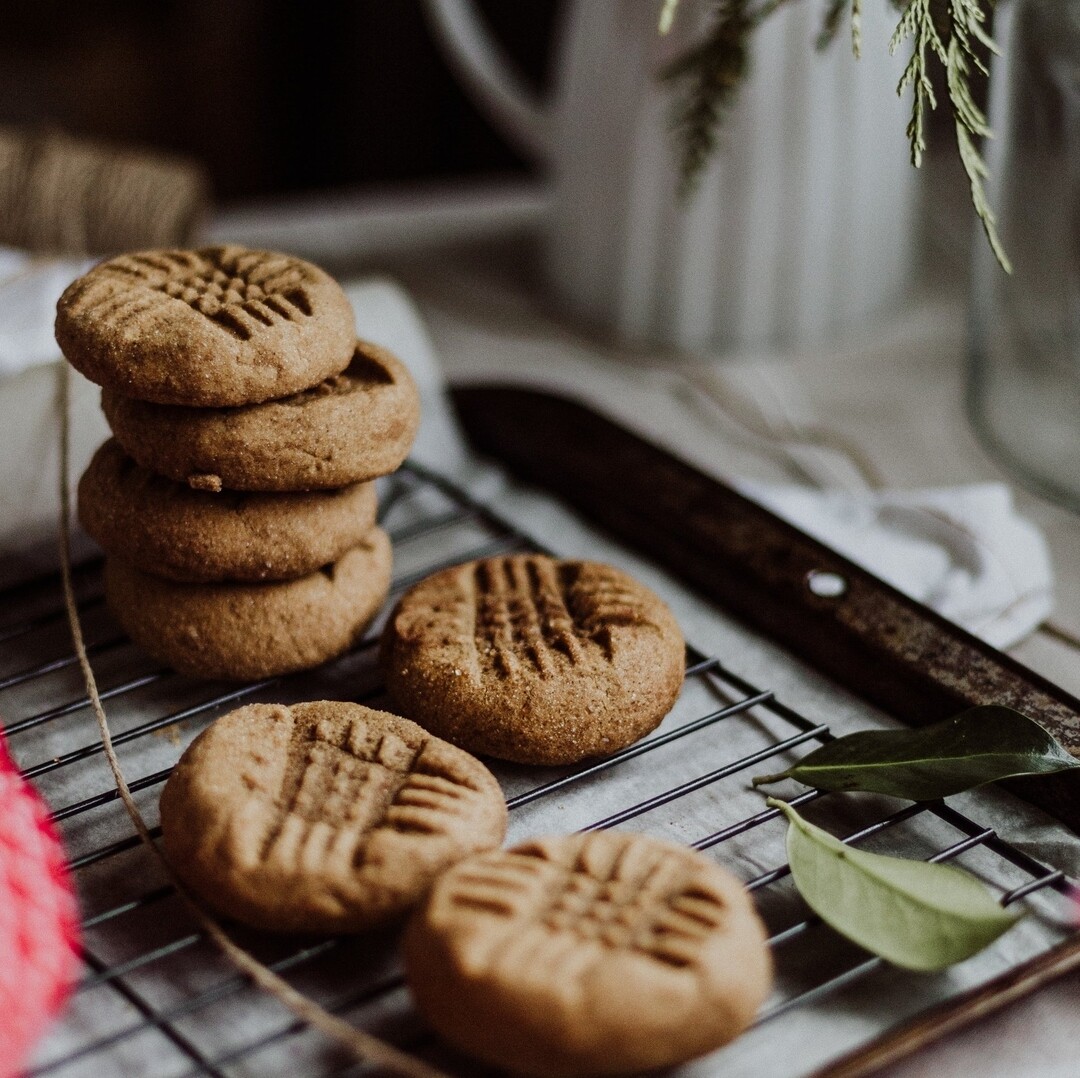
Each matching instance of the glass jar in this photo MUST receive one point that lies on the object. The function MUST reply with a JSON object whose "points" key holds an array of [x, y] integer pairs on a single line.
{"points": [[1024, 384]]}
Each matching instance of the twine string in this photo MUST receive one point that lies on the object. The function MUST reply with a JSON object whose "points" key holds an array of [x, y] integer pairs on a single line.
{"points": [[65, 195], [364, 1046]]}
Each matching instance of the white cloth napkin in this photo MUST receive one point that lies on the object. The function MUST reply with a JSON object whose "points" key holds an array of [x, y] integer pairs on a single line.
{"points": [[29, 288]]}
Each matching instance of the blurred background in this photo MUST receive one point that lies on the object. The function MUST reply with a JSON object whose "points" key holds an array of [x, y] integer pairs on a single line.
{"points": [[272, 96]]}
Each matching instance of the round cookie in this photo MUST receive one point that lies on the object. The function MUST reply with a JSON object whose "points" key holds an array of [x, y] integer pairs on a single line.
{"points": [[246, 631], [213, 327], [534, 660], [602, 953], [323, 817], [167, 529], [354, 426]]}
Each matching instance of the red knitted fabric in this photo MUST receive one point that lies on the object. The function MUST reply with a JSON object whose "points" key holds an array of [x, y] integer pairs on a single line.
{"points": [[39, 919]]}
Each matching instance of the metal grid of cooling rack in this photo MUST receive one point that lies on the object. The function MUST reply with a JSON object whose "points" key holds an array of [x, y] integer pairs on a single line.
{"points": [[155, 998]]}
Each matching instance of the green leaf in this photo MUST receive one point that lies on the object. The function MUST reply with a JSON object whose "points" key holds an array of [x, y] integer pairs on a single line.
{"points": [[916, 915], [984, 744]]}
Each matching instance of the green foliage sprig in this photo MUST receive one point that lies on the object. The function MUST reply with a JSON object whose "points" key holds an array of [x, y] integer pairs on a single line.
{"points": [[834, 16], [713, 70], [948, 32]]}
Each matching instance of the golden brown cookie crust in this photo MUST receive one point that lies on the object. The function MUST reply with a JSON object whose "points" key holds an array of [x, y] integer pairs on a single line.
{"points": [[170, 530], [212, 327], [323, 816], [604, 953], [534, 660], [354, 426], [247, 631]]}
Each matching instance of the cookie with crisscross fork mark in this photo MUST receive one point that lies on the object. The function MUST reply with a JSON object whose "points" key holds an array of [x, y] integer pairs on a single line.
{"points": [[323, 816], [353, 426], [233, 630], [170, 530], [601, 953], [535, 660], [213, 327]]}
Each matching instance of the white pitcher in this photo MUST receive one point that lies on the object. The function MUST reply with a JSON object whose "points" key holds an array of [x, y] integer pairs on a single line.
{"points": [[803, 225]]}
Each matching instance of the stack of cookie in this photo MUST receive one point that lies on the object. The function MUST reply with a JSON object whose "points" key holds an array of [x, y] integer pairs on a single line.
{"points": [[235, 502]]}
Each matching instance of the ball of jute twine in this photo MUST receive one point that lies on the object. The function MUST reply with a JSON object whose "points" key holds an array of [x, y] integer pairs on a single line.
{"points": [[65, 195]]}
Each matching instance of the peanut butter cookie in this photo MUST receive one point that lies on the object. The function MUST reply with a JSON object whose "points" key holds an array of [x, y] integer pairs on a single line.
{"points": [[245, 631], [170, 530], [213, 327], [603, 953], [323, 817], [353, 426], [534, 660]]}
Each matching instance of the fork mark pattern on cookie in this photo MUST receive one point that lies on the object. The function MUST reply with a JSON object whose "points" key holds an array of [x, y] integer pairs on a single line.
{"points": [[341, 786], [238, 292], [335, 781], [645, 903], [522, 619], [364, 373], [429, 802], [601, 604]]}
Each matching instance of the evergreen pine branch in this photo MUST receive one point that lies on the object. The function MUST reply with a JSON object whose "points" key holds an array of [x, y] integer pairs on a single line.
{"points": [[949, 31], [917, 22], [830, 26], [970, 120], [713, 72], [767, 8], [834, 16]]}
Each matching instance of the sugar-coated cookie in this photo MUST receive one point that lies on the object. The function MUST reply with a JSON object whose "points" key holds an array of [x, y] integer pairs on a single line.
{"points": [[603, 953], [211, 327], [535, 660], [170, 530], [245, 631], [324, 816], [354, 426]]}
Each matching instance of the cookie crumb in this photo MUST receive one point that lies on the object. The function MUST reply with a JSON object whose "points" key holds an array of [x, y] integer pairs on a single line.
{"points": [[205, 482]]}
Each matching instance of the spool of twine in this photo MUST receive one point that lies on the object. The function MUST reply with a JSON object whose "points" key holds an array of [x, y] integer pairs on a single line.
{"points": [[65, 195]]}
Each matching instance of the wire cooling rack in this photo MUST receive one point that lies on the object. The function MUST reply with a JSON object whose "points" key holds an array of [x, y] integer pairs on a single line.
{"points": [[156, 998]]}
